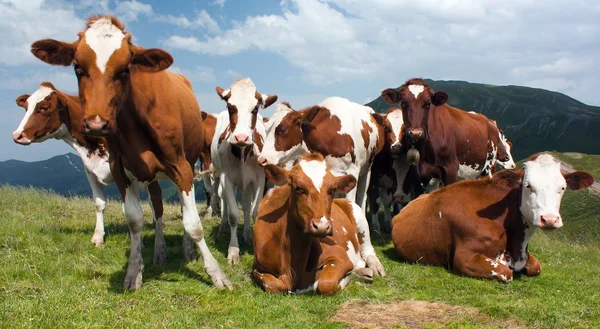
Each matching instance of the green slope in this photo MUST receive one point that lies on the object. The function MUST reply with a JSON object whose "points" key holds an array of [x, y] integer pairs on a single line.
{"points": [[533, 119]]}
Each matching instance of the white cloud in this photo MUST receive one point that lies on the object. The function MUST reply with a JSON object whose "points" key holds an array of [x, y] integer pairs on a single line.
{"points": [[219, 3], [196, 74], [29, 80], [333, 41], [232, 74], [130, 10], [203, 20]]}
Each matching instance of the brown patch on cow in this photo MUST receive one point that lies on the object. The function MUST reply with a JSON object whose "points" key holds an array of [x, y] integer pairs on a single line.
{"points": [[415, 314], [327, 140], [365, 133], [288, 133], [258, 140], [509, 178]]}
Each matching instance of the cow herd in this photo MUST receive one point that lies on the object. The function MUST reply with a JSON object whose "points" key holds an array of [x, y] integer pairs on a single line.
{"points": [[134, 123]]}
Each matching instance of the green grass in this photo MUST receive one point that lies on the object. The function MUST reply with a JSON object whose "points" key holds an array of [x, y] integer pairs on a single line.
{"points": [[52, 277], [587, 162]]}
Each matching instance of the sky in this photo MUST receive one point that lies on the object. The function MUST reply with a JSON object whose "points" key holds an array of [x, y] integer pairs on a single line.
{"points": [[307, 50]]}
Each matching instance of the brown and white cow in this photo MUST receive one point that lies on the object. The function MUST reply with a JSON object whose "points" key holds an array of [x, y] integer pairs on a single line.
{"points": [[306, 240], [150, 118], [452, 143], [49, 113], [238, 139], [482, 228], [346, 133], [213, 200]]}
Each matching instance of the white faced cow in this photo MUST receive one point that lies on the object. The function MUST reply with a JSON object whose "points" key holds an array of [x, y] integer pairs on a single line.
{"points": [[238, 140]]}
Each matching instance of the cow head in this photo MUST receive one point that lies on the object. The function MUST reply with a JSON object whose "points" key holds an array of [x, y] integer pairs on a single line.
{"points": [[394, 116], [44, 115], [416, 99], [104, 60], [504, 157], [284, 142], [543, 187], [313, 187], [243, 102]]}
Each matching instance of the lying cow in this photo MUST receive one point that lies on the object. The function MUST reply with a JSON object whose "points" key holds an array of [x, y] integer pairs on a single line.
{"points": [[304, 239], [451, 143], [346, 133], [482, 228], [49, 114]]}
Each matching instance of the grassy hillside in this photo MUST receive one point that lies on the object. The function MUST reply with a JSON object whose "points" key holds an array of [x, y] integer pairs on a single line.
{"points": [[533, 119], [64, 174], [51, 276]]}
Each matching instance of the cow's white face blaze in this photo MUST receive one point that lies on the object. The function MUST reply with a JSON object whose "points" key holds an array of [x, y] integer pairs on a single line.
{"points": [[243, 102], [543, 188], [396, 120]]}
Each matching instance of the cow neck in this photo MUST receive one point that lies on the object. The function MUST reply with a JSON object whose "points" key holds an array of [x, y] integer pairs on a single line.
{"points": [[84, 145], [518, 231], [300, 245]]}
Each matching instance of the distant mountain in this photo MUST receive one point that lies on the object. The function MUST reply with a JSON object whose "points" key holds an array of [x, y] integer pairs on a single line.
{"points": [[64, 174], [533, 119]]}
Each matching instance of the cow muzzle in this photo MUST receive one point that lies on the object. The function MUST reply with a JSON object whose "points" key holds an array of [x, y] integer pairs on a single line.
{"points": [[263, 161], [550, 222], [241, 140], [95, 125], [320, 227], [415, 134], [19, 138]]}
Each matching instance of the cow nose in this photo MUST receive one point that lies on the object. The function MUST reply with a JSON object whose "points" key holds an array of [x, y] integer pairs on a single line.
{"points": [[415, 133], [396, 148], [241, 138], [321, 227], [549, 221], [19, 138], [262, 161], [96, 125]]}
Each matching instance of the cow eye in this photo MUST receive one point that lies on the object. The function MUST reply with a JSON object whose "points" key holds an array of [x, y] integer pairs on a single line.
{"points": [[125, 72], [78, 69], [527, 185], [427, 106], [280, 131], [298, 190], [43, 108], [255, 110]]}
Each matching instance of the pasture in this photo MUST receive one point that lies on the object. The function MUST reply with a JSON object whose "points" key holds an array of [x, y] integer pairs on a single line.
{"points": [[52, 276]]}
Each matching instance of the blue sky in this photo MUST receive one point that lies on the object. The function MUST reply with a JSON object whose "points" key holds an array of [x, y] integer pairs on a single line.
{"points": [[307, 50]]}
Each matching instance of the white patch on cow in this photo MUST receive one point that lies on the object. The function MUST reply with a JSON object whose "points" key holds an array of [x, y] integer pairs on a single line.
{"points": [[396, 120], [315, 170], [243, 97], [38, 96], [416, 89], [344, 230], [93, 162], [510, 163], [312, 287], [440, 214], [469, 172], [104, 38], [354, 255], [281, 158]]}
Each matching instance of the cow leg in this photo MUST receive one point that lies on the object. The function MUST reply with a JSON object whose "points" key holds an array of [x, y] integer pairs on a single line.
{"points": [[366, 249], [401, 168], [334, 275], [386, 200], [480, 266], [247, 198], [258, 196], [270, 283], [533, 266], [100, 203], [223, 210], [209, 191], [233, 217], [135, 221], [374, 209], [160, 249], [361, 189]]}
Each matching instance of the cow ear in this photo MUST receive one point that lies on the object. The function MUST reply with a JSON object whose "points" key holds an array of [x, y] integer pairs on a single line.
{"points": [[268, 100], [22, 101], [150, 60], [509, 178], [345, 184], [391, 96], [578, 180], [54, 52], [439, 98], [380, 119], [310, 114], [277, 175], [509, 144], [224, 94]]}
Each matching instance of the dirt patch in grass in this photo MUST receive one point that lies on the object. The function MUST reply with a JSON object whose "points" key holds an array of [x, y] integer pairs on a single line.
{"points": [[415, 314]]}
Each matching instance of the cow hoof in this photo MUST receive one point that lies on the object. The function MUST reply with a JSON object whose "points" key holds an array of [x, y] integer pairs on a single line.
{"points": [[219, 280], [233, 255], [98, 240], [365, 274], [374, 264], [133, 281]]}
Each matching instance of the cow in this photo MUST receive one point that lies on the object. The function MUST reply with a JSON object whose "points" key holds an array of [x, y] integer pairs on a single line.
{"points": [[150, 118], [210, 182], [482, 228], [238, 139], [306, 240], [346, 133], [449, 142], [49, 113]]}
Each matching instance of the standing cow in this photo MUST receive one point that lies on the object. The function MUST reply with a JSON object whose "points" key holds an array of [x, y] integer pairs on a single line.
{"points": [[306, 240], [346, 133], [50, 114], [238, 139], [150, 118], [482, 228], [213, 200], [450, 142]]}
